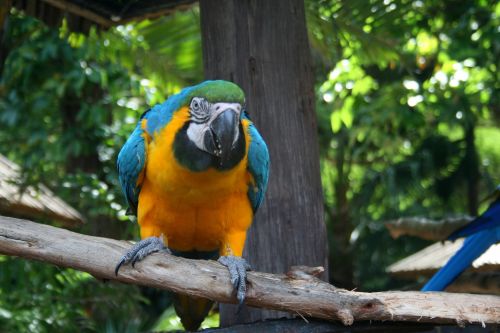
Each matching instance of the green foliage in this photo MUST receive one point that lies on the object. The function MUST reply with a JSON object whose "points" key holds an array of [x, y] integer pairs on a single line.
{"points": [[67, 104], [36, 297], [169, 321], [409, 84]]}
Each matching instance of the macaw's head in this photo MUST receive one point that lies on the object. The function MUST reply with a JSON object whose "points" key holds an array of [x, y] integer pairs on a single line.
{"points": [[213, 135]]}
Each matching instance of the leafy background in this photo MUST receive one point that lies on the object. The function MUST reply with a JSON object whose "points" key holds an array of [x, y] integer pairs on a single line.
{"points": [[408, 109]]}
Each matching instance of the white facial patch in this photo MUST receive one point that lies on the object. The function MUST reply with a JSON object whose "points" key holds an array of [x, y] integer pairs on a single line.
{"points": [[196, 132], [197, 129], [218, 108]]}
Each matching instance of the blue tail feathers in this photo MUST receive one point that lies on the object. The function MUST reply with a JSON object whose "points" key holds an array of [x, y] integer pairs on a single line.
{"points": [[472, 248], [481, 233]]}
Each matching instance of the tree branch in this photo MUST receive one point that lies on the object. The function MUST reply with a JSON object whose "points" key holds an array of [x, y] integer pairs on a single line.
{"points": [[301, 294]]}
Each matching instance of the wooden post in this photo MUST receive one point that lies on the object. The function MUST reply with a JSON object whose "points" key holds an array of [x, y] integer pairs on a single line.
{"points": [[262, 45], [5, 6]]}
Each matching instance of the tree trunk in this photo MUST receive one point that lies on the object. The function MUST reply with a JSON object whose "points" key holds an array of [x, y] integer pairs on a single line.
{"points": [[471, 161], [262, 46], [342, 273], [4, 22]]}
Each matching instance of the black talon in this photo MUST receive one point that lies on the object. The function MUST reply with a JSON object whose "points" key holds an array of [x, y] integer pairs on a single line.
{"points": [[133, 262], [237, 267], [117, 268], [140, 250]]}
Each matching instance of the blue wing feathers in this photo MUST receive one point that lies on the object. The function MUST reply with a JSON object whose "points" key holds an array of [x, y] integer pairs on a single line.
{"points": [[489, 219], [481, 233], [258, 165], [472, 248], [131, 162], [133, 157]]}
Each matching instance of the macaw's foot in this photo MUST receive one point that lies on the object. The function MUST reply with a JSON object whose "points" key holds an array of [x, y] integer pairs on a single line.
{"points": [[140, 250], [238, 268]]}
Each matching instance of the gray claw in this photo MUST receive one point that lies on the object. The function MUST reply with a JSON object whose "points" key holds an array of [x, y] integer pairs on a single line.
{"points": [[140, 250], [238, 268]]}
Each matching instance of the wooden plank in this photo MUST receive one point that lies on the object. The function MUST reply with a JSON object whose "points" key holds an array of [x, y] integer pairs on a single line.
{"points": [[296, 293], [426, 228], [153, 9], [69, 7], [5, 6], [316, 326], [31, 202], [262, 46]]}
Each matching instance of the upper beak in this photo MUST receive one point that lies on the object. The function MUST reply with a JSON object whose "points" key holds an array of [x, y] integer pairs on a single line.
{"points": [[224, 129]]}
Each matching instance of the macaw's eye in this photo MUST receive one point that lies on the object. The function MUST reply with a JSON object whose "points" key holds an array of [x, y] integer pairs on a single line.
{"points": [[195, 104]]}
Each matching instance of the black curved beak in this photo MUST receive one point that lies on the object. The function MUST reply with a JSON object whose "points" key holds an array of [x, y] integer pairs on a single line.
{"points": [[224, 129]]}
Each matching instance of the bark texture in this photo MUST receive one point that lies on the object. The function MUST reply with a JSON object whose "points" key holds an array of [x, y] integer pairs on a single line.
{"points": [[262, 46], [298, 292]]}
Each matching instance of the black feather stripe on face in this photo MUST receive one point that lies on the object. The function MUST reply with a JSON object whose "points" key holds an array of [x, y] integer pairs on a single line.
{"points": [[199, 110], [187, 154]]}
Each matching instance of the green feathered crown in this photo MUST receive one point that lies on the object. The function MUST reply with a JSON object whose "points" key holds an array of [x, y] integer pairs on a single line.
{"points": [[218, 91]]}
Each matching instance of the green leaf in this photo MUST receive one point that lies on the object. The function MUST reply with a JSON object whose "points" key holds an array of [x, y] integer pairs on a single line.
{"points": [[336, 121]]}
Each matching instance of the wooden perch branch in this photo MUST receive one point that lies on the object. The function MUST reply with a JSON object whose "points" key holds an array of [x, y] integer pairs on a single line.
{"points": [[297, 293]]}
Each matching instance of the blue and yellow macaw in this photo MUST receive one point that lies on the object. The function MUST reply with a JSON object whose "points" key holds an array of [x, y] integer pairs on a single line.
{"points": [[194, 172], [480, 234]]}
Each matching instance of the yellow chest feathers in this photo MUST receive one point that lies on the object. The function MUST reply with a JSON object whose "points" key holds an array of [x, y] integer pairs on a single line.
{"points": [[166, 177], [194, 210]]}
